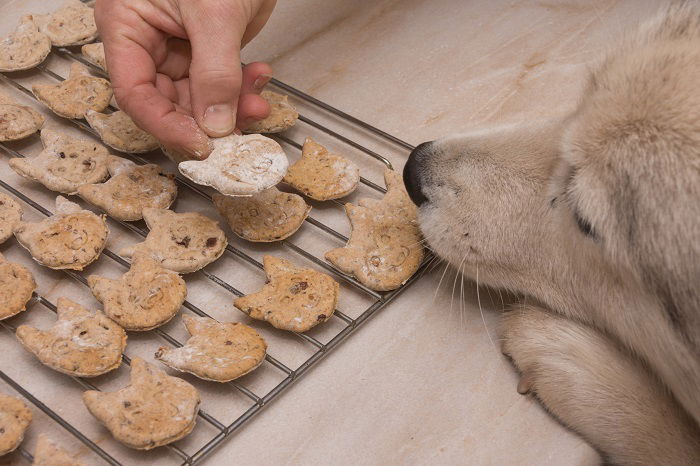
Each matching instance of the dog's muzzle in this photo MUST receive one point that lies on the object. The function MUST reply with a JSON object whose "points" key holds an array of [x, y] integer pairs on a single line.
{"points": [[414, 170]]}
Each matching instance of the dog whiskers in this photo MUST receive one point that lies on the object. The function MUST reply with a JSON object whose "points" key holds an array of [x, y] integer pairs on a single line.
{"points": [[481, 310]]}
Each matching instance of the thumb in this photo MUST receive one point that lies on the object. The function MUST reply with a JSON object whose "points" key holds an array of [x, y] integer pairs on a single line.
{"points": [[215, 71]]}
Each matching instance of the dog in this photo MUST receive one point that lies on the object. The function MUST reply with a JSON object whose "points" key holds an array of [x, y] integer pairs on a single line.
{"points": [[595, 219]]}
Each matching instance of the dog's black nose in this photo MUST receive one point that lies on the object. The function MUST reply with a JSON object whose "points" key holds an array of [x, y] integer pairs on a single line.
{"points": [[413, 172]]}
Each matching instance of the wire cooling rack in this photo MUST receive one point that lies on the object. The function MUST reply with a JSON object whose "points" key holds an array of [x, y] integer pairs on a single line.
{"points": [[237, 402]]}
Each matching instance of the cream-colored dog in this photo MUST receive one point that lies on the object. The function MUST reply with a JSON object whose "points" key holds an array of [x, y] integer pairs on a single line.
{"points": [[595, 218]]}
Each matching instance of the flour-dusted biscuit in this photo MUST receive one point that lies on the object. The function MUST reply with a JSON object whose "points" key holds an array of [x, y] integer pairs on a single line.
{"points": [[294, 299], [239, 165], [76, 95], [95, 54], [25, 48], [145, 297], [322, 175], [17, 121], [15, 417], [131, 189], [119, 132], [72, 24], [65, 163], [16, 288], [270, 215], [282, 115], [47, 453], [153, 410], [385, 248], [183, 242], [216, 351], [10, 216], [72, 238], [82, 342]]}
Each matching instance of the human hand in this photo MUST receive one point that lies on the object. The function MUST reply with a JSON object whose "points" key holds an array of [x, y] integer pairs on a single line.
{"points": [[176, 70]]}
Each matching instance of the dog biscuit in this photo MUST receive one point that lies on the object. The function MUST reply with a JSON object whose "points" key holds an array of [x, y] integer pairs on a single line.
{"points": [[65, 163], [72, 24], [295, 298], [385, 248], [76, 95], [25, 48], [10, 216], [72, 238], [270, 215], [131, 189], [95, 54], [16, 288], [47, 453], [17, 121], [182, 242], [119, 132], [216, 351], [322, 175], [82, 343], [282, 115], [153, 410], [239, 165], [145, 297], [15, 417]]}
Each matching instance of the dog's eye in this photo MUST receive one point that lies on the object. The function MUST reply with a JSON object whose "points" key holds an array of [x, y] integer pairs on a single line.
{"points": [[584, 225]]}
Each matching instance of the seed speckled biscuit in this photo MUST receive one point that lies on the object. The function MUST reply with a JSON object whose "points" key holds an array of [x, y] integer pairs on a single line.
{"points": [[65, 163], [216, 351], [76, 95], [119, 132], [17, 121], [385, 248], [47, 453], [10, 216], [15, 417], [182, 242], [270, 215], [72, 24], [282, 115], [16, 288], [153, 410], [82, 343], [239, 165], [131, 189], [71, 238], [322, 175], [95, 54], [294, 299], [145, 297], [25, 48]]}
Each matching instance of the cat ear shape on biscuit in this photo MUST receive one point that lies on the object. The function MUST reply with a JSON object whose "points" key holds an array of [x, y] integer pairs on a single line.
{"points": [[72, 238], [131, 189], [25, 48], [155, 409], [82, 343], [145, 297], [65, 163], [119, 132], [15, 417], [216, 351], [17, 121], [384, 249], [47, 453], [322, 175], [72, 24], [17, 286], [239, 165], [10, 216], [294, 299], [282, 115], [95, 54], [76, 95], [182, 242]]}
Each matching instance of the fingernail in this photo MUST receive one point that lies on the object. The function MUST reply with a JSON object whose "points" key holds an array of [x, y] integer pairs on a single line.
{"points": [[261, 81], [219, 119]]}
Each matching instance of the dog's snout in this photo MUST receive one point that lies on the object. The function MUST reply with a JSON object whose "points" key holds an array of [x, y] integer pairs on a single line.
{"points": [[413, 172]]}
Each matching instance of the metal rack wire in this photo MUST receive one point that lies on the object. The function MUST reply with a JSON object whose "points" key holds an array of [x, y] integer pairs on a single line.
{"points": [[257, 402]]}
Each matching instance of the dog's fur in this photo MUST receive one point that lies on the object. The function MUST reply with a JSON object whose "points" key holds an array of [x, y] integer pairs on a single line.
{"points": [[597, 219]]}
